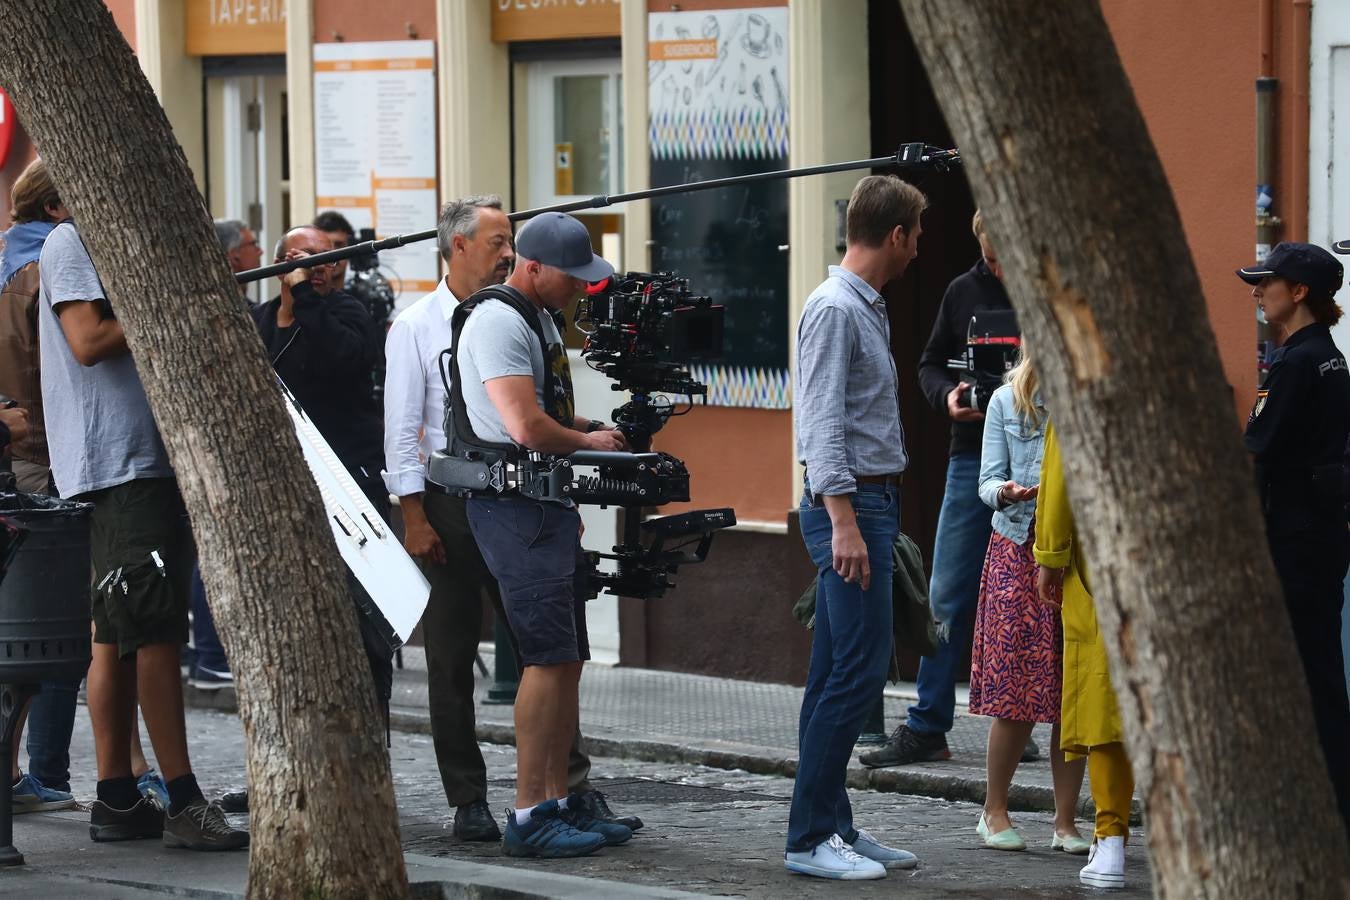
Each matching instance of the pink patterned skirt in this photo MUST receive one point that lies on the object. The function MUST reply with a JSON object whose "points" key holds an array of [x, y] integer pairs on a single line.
{"points": [[1016, 665]]}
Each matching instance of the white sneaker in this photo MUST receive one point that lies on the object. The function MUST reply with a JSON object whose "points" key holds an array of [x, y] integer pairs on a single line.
{"points": [[890, 857], [832, 858], [1106, 864]]}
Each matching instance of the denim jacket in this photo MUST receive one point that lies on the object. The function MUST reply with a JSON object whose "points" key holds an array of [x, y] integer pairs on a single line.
{"points": [[1011, 451]]}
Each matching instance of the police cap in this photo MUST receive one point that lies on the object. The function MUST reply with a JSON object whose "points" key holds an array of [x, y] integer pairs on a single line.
{"points": [[1301, 263]]}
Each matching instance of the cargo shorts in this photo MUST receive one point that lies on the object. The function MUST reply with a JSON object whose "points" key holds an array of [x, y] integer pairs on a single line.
{"points": [[533, 550], [142, 555]]}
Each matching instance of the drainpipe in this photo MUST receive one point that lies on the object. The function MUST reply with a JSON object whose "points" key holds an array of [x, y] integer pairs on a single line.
{"points": [[1266, 222]]}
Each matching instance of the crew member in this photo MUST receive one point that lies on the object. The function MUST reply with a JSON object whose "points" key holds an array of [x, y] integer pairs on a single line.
{"points": [[1297, 434], [847, 420], [339, 231], [474, 237], [241, 247], [516, 386]]}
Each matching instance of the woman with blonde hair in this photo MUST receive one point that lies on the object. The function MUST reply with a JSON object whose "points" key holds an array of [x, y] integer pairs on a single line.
{"points": [[1015, 672]]}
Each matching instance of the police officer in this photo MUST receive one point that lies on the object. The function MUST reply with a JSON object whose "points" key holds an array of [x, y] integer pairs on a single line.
{"points": [[1297, 434]]}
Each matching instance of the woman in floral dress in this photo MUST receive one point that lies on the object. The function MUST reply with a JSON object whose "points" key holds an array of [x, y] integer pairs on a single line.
{"points": [[1016, 673]]}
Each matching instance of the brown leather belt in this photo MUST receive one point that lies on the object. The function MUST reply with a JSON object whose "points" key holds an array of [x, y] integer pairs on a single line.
{"points": [[895, 478]]}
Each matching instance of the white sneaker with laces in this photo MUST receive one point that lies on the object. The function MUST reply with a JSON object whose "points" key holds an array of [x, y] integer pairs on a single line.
{"points": [[891, 857], [832, 858], [1106, 864]]}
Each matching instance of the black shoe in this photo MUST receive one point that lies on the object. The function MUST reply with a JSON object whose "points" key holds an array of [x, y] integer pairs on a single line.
{"points": [[577, 816], [906, 746], [1032, 751], [234, 801], [144, 820], [474, 822], [202, 826], [593, 803]]}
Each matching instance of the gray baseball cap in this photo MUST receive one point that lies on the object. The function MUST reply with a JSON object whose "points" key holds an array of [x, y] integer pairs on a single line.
{"points": [[561, 241]]}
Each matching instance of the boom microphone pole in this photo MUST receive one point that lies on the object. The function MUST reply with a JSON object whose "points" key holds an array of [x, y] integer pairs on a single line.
{"points": [[909, 156]]}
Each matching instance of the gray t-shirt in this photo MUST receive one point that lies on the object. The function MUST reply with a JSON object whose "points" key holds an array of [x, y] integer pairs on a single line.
{"points": [[99, 428], [497, 342]]}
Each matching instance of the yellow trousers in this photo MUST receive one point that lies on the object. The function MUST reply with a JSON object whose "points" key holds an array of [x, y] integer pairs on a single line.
{"points": [[1112, 782]]}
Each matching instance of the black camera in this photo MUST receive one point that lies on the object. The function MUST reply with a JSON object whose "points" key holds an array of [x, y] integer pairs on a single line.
{"points": [[993, 343], [367, 260]]}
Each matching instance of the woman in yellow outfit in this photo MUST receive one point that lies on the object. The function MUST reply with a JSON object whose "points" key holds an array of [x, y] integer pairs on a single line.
{"points": [[1089, 717]]}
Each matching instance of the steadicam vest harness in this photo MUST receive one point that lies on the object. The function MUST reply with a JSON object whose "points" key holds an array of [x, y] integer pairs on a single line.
{"points": [[476, 464]]}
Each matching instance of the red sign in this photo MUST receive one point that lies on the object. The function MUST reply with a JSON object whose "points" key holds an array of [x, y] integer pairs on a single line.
{"points": [[8, 122]]}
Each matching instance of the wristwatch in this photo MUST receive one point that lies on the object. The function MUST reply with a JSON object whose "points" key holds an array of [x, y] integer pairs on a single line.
{"points": [[595, 425]]}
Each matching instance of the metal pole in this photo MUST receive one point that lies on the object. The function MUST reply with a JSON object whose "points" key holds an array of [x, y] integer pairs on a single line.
{"points": [[909, 156], [505, 676]]}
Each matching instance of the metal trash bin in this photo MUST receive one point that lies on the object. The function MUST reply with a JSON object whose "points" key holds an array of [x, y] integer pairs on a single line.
{"points": [[44, 613]]}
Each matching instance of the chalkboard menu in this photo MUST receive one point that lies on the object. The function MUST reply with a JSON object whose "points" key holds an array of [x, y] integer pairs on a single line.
{"points": [[726, 242], [718, 102]]}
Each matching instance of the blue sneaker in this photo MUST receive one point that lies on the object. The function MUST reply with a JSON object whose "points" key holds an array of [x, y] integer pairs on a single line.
{"points": [[30, 795], [579, 818], [152, 787], [206, 679], [546, 835]]}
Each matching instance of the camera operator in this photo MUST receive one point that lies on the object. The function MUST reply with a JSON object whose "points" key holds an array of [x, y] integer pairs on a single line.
{"points": [[516, 390], [323, 346], [474, 238], [849, 437], [337, 229], [964, 524], [1297, 433]]}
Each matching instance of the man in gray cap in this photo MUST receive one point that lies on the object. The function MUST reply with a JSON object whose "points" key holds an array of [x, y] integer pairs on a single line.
{"points": [[517, 389]]}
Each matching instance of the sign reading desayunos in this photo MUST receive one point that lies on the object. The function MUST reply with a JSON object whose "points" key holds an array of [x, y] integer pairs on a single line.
{"points": [[235, 27], [544, 20]]}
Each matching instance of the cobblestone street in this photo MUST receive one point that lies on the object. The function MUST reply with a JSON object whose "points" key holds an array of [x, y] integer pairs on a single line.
{"points": [[708, 831]]}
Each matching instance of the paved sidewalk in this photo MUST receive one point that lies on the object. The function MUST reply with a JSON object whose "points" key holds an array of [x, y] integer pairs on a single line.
{"points": [[723, 723]]}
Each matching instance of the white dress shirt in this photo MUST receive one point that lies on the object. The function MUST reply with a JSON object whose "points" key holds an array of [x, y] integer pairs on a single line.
{"points": [[414, 395]]}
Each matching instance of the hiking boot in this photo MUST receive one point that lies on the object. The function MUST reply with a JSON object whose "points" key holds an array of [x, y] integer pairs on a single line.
{"points": [[474, 822], [152, 787], [593, 802], [144, 820], [234, 801], [547, 836], [576, 816], [202, 826], [30, 795], [907, 746]]}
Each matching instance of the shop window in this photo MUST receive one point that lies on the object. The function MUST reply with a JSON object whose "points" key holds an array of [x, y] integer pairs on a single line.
{"points": [[575, 130]]}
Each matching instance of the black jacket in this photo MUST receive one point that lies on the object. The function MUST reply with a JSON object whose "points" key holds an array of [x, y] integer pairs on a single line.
{"points": [[328, 359], [968, 293], [1297, 433]]}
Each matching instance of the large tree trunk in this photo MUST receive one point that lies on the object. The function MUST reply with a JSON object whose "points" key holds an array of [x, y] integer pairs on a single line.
{"points": [[323, 818], [1201, 651]]}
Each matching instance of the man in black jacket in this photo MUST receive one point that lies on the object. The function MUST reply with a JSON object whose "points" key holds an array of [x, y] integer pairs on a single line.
{"points": [[963, 524], [326, 349]]}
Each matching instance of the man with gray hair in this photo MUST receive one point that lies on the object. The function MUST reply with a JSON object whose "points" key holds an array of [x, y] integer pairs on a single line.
{"points": [[240, 245]]}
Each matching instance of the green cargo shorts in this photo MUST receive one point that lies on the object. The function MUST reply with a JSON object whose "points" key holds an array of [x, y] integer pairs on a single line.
{"points": [[142, 555]]}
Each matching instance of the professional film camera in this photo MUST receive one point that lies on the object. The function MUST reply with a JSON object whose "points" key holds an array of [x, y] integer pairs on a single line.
{"points": [[641, 330], [369, 285], [992, 345]]}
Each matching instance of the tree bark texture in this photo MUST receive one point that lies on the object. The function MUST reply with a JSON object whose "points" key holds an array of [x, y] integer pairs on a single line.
{"points": [[1201, 651], [323, 817]]}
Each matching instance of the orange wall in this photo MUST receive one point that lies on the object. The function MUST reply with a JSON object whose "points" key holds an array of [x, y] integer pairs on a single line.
{"points": [[360, 20], [736, 457], [1193, 66], [124, 13]]}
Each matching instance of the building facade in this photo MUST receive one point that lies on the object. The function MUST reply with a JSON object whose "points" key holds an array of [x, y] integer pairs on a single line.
{"points": [[287, 107]]}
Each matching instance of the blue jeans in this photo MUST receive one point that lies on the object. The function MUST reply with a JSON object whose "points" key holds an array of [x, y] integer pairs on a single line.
{"points": [[210, 653], [850, 654], [51, 719], [958, 559]]}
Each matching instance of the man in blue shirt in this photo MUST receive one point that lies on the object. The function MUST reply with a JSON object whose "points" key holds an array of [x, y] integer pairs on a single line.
{"points": [[849, 438]]}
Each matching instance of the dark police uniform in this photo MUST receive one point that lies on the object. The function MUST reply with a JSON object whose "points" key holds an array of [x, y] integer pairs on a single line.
{"points": [[1297, 433]]}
